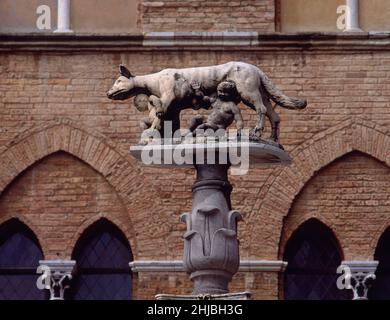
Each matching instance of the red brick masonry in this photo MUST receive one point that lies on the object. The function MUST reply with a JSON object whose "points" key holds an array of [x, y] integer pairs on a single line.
{"points": [[64, 159]]}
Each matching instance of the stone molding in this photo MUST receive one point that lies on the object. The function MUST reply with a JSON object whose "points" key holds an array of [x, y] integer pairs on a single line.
{"points": [[174, 39], [177, 266], [308, 41], [361, 266]]}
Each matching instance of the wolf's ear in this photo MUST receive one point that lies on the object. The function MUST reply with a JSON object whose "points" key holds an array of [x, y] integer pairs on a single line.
{"points": [[125, 72]]}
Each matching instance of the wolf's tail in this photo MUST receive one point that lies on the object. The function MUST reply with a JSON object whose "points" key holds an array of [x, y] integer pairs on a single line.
{"points": [[279, 98]]}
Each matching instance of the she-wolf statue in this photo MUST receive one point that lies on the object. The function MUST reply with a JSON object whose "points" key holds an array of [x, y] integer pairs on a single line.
{"points": [[173, 88]]}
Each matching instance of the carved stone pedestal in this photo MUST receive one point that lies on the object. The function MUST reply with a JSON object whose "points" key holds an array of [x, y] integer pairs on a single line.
{"points": [[211, 247], [211, 252]]}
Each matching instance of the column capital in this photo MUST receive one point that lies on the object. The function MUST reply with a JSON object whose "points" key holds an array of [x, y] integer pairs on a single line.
{"points": [[361, 275], [59, 273]]}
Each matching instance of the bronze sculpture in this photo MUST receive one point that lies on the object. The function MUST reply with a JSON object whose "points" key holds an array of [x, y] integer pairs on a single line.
{"points": [[173, 88]]}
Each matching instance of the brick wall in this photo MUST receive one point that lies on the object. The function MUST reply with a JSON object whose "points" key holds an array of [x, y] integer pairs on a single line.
{"points": [[56, 101], [262, 285], [58, 195], [202, 15], [351, 196]]}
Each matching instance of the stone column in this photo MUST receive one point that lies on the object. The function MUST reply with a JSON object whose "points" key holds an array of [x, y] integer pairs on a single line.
{"points": [[58, 273], [352, 16], [362, 274], [211, 248], [211, 254], [63, 17]]}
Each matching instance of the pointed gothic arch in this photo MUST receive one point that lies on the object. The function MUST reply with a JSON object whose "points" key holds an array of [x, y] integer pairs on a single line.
{"points": [[313, 255], [96, 150], [102, 254], [20, 253], [279, 191]]}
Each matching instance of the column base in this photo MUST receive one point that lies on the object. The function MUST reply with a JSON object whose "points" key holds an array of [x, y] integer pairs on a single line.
{"points": [[63, 31], [353, 30], [227, 296], [210, 281]]}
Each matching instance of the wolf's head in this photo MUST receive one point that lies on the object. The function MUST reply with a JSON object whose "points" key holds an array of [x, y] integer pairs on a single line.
{"points": [[123, 87]]}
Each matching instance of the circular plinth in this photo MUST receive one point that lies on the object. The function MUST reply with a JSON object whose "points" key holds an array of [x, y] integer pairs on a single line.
{"points": [[231, 153]]}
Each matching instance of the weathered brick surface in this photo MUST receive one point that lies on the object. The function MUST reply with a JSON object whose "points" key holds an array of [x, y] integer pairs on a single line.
{"points": [[52, 102], [282, 188], [59, 196], [152, 283], [203, 15], [262, 285], [351, 196]]}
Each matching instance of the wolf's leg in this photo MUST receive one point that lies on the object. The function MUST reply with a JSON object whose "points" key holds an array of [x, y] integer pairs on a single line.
{"points": [[165, 101], [273, 118], [254, 101], [275, 121], [248, 86], [167, 88]]}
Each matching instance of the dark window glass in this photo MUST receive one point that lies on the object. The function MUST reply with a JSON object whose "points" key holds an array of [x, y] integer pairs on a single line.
{"points": [[103, 255], [313, 257], [19, 258], [380, 289]]}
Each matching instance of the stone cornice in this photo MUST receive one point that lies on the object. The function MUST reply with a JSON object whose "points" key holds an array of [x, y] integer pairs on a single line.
{"points": [[177, 266], [361, 266], [191, 41]]}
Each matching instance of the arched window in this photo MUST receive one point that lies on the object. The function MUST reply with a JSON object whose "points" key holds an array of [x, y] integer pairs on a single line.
{"points": [[102, 254], [313, 256], [20, 253], [381, 286]]}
